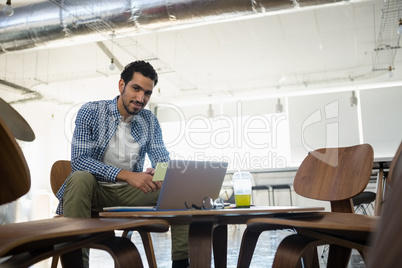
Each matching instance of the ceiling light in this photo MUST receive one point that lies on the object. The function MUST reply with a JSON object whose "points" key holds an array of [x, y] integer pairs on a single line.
{"points": [[279, 106], [390, 73], [400, 27], [8, 9], [353, 99], [210, 111], [112, 66], [282, 79]]}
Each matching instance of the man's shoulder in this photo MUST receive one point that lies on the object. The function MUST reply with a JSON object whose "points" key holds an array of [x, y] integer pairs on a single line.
{"points": [[146, 112], [97, 110], [146, 115], [99, 105]]}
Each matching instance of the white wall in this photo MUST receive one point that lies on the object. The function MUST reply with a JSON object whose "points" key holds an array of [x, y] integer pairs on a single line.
{"points": [[308, 122], [382, 119], [48, 122], [324, 120], [380, 126]]}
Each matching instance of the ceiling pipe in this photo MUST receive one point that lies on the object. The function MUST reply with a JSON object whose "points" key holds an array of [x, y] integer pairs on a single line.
{"points": [[53, 21], [26, 92]]}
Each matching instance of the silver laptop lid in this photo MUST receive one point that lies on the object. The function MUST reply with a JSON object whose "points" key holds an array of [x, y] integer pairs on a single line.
{"points": [[190, 182]]}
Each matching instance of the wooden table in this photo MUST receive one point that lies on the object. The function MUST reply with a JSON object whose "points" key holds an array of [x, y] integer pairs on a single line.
{"points": [[209, 227]]}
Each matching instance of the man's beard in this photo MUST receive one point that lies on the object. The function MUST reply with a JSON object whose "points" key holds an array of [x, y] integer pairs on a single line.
{"points": [[127, 104], [134, 111]]}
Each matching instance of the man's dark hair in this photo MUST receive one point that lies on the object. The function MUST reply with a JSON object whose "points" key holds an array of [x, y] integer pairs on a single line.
{"points": [[139, 66]]}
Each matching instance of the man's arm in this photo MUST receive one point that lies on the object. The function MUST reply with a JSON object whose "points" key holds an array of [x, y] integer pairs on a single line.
{"points": [[93, 128], [140, 180]]}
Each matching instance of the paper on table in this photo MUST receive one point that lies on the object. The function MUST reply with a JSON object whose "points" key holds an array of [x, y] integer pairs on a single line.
{"points": [[160, 171]]}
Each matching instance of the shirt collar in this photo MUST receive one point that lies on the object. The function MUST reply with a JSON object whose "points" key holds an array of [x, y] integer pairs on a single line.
{"points": [[114, 109], [128, 119], [116, 112]]}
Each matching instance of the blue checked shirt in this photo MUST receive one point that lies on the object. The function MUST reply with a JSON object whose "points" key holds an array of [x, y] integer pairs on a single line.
{"points": [[95, 125]]}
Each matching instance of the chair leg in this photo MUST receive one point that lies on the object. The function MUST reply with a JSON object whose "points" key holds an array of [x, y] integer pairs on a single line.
{"points": [[290, 196], [363, 255], [72, 259], [148, 246], [220, 245], [248, 243], [127, 234], [338, 256], [55, 260], [291, 250], [122, 250], [311, 257]]}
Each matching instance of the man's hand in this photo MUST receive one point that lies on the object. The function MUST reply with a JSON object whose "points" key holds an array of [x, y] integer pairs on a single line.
{"points": [[140, 180], [150, 171]]}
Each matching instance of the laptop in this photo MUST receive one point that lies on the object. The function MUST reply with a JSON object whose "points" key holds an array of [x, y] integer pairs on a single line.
{"points": [[185, 182]]}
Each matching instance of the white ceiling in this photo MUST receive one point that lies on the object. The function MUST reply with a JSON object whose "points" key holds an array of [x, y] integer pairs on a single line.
{"points": [[314, 49]]}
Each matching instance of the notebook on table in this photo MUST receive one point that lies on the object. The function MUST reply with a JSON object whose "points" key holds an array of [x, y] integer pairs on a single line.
{"points": [[184, 182]]}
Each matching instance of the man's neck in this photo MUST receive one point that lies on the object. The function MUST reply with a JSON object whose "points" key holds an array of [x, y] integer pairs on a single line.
{"points": [[125, 117]]}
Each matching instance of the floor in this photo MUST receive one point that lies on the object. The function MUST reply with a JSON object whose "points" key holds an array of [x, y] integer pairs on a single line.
{"points": [[263, 255]]}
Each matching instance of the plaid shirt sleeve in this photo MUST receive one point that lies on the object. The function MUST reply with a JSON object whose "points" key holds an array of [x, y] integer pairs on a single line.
{"points": [[95, 125]]}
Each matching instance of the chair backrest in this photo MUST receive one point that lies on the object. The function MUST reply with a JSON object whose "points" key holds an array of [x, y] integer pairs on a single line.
{"points": [[15, 178], [387, 244], [395, 172], [395, 169], [16, 123], [335, 174], [59, 173]]}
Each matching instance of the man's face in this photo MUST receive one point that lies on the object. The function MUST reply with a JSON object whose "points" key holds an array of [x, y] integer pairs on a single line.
{"points": [[135, 94]]}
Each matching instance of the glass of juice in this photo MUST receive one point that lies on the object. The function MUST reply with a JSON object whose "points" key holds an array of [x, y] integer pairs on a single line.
{"points": [[242, 182]]}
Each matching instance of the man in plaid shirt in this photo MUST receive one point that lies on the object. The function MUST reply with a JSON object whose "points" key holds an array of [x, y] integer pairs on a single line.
{"points": [[110, 142]]}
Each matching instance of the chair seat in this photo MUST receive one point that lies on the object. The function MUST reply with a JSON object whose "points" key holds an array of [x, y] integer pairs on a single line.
{"points": [[280, 187], [14, 237], [323, 220], [364, 198], [354, 228], [275, 187], [260, 187]]}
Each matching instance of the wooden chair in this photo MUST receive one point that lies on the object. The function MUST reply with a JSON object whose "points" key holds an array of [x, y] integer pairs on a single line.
{"points": [[58, 174], [386, 242], [332, 174], [363, 201], [378, 242], [23, 244]]}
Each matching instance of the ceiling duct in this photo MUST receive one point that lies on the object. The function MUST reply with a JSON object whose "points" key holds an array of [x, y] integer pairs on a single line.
{"points": [[46, 22]]}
